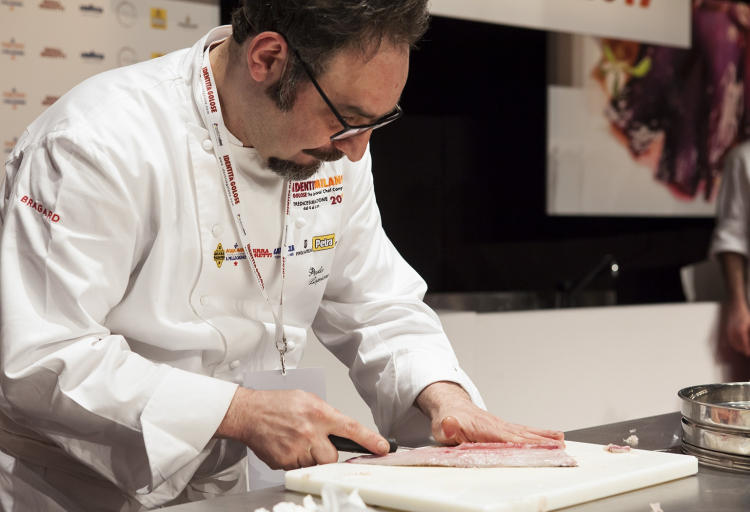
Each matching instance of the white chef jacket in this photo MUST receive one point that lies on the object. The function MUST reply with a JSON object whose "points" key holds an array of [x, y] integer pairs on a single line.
{"points": [[732, 231], [124, 328]]}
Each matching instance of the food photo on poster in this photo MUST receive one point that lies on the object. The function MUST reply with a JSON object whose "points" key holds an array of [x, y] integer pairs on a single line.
{"points": [[348, 255], [676, 112]]}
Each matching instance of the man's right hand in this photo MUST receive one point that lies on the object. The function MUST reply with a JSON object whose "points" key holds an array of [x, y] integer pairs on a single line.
{"points": [[738, 327], [290, 429]]}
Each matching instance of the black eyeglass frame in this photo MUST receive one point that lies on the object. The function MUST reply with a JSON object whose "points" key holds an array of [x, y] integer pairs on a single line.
{"points": [[349, 130]]}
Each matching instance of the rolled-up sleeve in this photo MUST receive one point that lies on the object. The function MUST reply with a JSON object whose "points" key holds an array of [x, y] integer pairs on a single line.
{"points": [[373, 319], [71, 238], [732, 208]]}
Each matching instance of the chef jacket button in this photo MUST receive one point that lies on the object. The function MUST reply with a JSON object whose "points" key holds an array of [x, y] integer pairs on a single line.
{"points": [[205, 300], [290, 345], [208, 145], [234, 364], [300, 223], [217, 230]]}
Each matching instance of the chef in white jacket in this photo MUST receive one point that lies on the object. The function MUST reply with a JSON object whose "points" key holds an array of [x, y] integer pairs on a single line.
{"points": [[146, 219], [731, 245]]}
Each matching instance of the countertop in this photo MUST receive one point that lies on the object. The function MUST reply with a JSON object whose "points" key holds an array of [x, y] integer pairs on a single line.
{"points": [[710, 490]]}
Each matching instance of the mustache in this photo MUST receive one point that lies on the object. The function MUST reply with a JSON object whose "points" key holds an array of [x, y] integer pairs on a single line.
{"points": [[325, 155]]}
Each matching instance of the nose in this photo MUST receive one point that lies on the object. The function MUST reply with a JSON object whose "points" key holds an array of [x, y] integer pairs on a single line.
{"points": [[354, 147]]}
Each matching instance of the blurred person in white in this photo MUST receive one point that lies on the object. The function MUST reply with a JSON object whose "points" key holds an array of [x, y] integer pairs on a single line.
{"points": [[131, 302], [731, 246]]}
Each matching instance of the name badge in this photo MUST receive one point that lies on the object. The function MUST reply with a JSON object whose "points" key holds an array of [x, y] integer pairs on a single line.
{"points": [[312, 380]]}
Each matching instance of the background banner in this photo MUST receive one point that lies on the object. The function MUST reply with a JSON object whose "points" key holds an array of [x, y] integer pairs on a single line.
{"points": [[665, 22], [49, 46]]}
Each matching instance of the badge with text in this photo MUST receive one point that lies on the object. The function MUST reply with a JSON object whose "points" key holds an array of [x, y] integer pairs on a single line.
{"points": [[312, 380]]}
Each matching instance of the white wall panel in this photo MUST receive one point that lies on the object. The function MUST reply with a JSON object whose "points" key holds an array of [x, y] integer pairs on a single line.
{"points": [[664, 22]]}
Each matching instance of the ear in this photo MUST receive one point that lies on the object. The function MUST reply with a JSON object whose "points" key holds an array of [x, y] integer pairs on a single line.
{"points": [[266, 57]]}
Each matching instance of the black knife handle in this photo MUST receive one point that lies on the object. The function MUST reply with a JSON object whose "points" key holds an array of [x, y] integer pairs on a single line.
{"points": [[347, 445]]}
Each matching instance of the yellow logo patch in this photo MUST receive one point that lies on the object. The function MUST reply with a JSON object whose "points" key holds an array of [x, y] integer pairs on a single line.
{"points": [[322, 243], [219, 255], [158, 18]]}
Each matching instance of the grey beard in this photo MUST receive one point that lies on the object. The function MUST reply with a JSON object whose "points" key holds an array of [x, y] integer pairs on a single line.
{"points": [[293, 171], [300, 172]]}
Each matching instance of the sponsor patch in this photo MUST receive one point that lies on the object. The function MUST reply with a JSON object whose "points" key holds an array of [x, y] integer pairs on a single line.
{"points": [[219, 256], [322, 243], [39, 207]]}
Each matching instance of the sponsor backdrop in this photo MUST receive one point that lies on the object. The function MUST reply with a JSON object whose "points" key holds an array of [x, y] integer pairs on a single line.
{"points": [[49, 46], [664, 22]]}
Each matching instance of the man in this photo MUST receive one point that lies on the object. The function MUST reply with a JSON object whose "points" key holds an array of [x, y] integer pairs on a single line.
{"points": [[172, 224], [731, 245]]}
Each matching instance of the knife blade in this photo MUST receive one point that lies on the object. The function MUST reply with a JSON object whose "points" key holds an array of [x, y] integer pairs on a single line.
{"points": [[347, 445]]}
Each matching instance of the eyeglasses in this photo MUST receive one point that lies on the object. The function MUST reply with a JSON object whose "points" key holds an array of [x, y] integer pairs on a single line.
{"points": [[349, 130]]}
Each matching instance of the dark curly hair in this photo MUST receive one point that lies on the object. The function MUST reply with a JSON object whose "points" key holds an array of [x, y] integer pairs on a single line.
{"points": [[318, 29]]}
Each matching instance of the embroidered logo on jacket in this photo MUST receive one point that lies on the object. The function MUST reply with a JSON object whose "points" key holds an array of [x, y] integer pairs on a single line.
{"points": [[219, 255], [46, 214], [322, 243]]}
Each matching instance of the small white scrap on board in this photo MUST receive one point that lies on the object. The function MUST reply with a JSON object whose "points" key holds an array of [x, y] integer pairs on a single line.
{"points": [[656, 507], [333, 499], [615, 449], [632, 440], [633, 430]]}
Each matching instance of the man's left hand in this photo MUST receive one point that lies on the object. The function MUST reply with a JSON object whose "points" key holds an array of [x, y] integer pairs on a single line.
{"points": [[456, 420]]}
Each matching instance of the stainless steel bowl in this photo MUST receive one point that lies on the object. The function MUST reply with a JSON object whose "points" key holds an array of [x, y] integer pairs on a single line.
{"points": [[718, 440], [724, 406]]}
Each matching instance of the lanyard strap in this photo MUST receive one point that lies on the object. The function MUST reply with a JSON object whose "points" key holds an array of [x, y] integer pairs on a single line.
{"points": [[219, 133]]}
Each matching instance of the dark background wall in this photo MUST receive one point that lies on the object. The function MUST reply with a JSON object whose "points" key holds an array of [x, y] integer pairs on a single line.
{"points": [[460, 180]]}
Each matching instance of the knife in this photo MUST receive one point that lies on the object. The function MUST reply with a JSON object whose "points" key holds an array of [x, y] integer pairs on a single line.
{"points": [[347, 445]]}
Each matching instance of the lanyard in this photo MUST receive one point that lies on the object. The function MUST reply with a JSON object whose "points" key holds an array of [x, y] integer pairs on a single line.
{"points": [[218, 130]]}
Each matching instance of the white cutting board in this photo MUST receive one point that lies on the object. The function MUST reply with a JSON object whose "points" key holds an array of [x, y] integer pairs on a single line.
{"points": [[431, 489]]}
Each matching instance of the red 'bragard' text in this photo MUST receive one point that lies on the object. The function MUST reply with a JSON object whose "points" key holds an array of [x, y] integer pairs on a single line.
{"points": [[47, 214]]}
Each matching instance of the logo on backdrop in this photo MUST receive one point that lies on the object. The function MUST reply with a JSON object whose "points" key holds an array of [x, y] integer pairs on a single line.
{"points": [[14, 98], [11, 4], [158, 18], [13, 49], [187, 23], [91, 10], [53, 53], [92, 56], [126, 13], [126, 56], [323, 243], [8, 145], [52, 5], [50, 100]]}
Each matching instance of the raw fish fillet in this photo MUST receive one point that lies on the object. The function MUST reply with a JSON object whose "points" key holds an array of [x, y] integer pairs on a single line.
{"points": [[476, 455]]}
